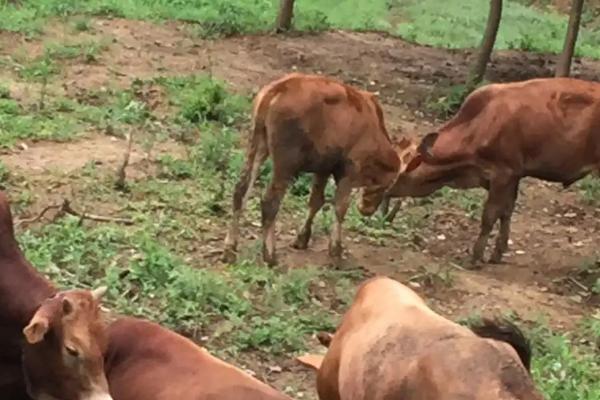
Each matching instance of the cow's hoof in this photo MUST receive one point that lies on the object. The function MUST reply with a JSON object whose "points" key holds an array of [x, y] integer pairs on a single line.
{"points": [[496, 258], [229, 255], [336, 251], [475, 264], [270, 259], [301, 242]]}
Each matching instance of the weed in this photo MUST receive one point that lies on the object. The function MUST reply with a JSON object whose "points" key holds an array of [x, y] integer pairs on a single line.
{"points": [[431, 277], [87, 51], [205, 99], [4, 92], [40, 69], [589, 187], [471, 201], [82, 25], [562, 370]]}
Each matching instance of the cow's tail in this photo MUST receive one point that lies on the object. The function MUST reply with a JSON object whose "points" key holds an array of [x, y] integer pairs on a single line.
{"points": [[505, 331]]}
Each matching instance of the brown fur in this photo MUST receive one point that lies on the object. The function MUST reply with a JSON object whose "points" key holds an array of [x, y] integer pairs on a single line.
{"points": [[22, 289], [165, 366], [139, 359], [391, 346], [543, 128], [66, 342], [311, 123]]}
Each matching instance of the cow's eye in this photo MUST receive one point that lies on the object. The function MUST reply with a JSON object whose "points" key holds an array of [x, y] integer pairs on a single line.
{"points": [[72, 351]]}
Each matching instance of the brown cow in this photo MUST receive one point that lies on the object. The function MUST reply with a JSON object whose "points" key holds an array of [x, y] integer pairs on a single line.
{"points": [[140, 359], [22, 289], [543, 128], [391, 346], [311, 123]]}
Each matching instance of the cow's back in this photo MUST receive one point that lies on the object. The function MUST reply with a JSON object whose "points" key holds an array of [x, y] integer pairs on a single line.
{"points": [[318, 124], [548, 128], [147, 361], [386, 328], [465, 368]]}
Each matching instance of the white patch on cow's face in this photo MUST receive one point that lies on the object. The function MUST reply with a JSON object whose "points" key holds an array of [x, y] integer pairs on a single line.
{"points": [[97, 395]]}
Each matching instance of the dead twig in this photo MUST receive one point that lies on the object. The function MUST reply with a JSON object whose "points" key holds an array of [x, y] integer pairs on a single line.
{"points": [[579, 284], [121, 172], [39, 216], [65, 208]]}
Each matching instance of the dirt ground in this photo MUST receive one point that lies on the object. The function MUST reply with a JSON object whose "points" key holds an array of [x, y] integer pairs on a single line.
{"points": [[553, 232]]}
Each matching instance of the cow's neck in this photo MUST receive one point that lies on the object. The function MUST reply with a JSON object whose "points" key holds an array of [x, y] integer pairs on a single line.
{"points": [[22, 288]]}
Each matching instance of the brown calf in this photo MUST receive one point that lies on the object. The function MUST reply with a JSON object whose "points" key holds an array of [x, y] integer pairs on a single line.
{"points": [[543, 128], [311, 123], [67, 336], [22, 289], [140, 360], [391, 346]]}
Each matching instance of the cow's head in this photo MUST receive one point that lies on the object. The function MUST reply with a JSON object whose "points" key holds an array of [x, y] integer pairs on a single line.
{"points": [[63, 357], [409, 157]]}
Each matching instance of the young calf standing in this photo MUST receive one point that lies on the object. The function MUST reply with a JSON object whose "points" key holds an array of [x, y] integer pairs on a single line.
{"points": [[543, 128], [391, 346], [310, 123]]}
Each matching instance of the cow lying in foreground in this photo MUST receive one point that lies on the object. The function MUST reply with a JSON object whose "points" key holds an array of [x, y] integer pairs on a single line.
{"points": [[391, 346], [22, 289], [71, 355], [543, 128], [310, 123]]}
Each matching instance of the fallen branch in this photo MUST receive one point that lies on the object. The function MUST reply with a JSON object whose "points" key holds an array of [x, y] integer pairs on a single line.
{"points": [[579, 284], [65, 208], [39, 216]]}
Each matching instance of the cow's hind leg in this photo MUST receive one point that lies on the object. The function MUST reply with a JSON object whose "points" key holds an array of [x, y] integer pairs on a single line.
{"points": [[342, 202], [500, 190], [317, 199], [242, 191], [505, 217], [269, 208]]}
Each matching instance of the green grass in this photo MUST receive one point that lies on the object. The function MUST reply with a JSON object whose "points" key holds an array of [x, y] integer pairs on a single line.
{"points": [[565, 366], [458, 24], [589, 187], [61, 119], [244, 307]]}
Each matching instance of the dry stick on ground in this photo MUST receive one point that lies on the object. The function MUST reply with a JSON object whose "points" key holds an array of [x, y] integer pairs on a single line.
{"points": [[65, 208], [121, 173], [39, 216]]}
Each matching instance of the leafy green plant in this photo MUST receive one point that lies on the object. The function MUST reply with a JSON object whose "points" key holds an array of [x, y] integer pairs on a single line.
{"points": [[205, 99], [589, 187], [4, 92]]}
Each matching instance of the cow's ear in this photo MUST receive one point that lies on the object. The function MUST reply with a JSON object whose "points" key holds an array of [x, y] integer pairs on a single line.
{"points": [[427, 144], [414, 163], [313, 361], [36, 330], [325, 338]]}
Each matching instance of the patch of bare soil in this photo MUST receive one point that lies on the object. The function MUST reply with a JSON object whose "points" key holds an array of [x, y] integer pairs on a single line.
{"points": [[553, 231]]}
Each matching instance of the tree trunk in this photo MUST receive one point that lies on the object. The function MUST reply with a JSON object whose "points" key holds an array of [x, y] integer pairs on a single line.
{"points": [[487, 44], [563, 68], [286, 13]]}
